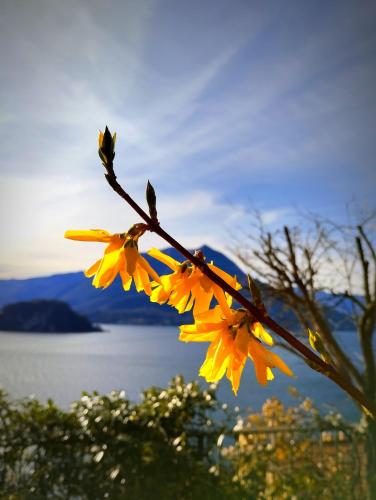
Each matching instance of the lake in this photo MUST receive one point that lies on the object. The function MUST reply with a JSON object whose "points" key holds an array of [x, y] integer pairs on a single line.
{"points": [[132, 358]]}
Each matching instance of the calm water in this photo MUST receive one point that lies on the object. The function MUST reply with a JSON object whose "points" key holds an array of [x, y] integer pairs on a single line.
{"points": [[135, 357]]}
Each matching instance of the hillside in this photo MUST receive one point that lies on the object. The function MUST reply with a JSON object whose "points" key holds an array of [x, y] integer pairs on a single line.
{"points": [[113, 305], [52, 316]]}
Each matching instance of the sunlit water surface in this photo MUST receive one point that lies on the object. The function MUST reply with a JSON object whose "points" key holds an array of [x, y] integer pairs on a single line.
{"points": [[132, 358]]}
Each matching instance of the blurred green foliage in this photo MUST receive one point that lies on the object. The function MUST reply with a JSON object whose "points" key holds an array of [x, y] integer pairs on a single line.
{"points": [[177, 443], [108, 447]]}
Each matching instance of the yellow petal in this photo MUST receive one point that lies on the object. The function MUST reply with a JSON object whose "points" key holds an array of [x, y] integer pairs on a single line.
{"points": [[100, 139], [235, 370], [131, 256], [126, 279], [181, 292], [205, 282], [202, 299], [190, 303], [197, 337], [261, 333], [89, 235], [212, 315], [206, 366], [220, 359], [104, 279], [216, 362], [137, 280], [202, 327], [145, 264], [164, 258], [242, 340], [159, 295], [115, 244], [108, 268], [92, 269], [221, 299], [181, 306], [264, 359], [279, 363], [230, 280], [144, 277], [260, 370], [179, 296], [162, 292]]}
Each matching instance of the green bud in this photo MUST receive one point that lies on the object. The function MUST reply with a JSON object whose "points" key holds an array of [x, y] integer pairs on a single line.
{"points": [[106, 149], [317, 344], [151, 199]]}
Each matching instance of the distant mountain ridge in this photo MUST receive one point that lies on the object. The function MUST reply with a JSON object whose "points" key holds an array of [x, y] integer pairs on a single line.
{"points": [[113, 305]]}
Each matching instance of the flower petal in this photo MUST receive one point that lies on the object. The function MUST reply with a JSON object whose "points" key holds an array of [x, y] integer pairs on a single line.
{"points": [[202, 299], [230, 280], [108, 268], [259, 331], [197, 337], [216, 362], [242, 340], [145, 264], [221, 299], [126, 279], [93, 269], [164, 258], [144, 277], [89, 235], [235, 370], [131, 256]]}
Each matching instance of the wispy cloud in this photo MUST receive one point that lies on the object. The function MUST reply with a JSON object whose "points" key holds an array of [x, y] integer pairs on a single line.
{"points": [[220, 107]]}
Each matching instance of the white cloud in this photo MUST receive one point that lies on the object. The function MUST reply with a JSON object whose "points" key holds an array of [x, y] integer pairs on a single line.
{"points": [[204, 109], [269, 217]]}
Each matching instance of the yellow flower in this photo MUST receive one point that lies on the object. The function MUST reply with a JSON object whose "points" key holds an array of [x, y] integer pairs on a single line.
{"points": [[233, 338], [121, 256], [188, 287]]}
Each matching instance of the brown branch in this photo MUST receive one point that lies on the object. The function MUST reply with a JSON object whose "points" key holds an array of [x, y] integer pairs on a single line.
{"points": [[303, 304], [368, 242], [311, 358], [373, 254], [365, 266], [295, 268], [367, 325], [355, 300]]}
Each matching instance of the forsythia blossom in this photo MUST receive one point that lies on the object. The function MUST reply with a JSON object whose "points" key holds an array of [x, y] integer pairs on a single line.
{"points": [[234, 338], [234, 335], [121, 256], [188, 287]]}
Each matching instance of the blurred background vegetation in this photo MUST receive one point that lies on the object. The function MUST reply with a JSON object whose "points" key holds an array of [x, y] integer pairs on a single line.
{"points": [[177, 442]]}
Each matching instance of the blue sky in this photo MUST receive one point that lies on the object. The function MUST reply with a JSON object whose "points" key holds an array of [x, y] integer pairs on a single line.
{"points": [[225, 106]]}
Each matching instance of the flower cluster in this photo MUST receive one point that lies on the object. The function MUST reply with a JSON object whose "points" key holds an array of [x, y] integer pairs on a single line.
{"points": [[234, 335], [121, 256]]}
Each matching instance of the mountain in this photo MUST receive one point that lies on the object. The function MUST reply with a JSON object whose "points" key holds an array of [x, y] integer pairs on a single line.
{"points": [[113, 305], [51, 316]]}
